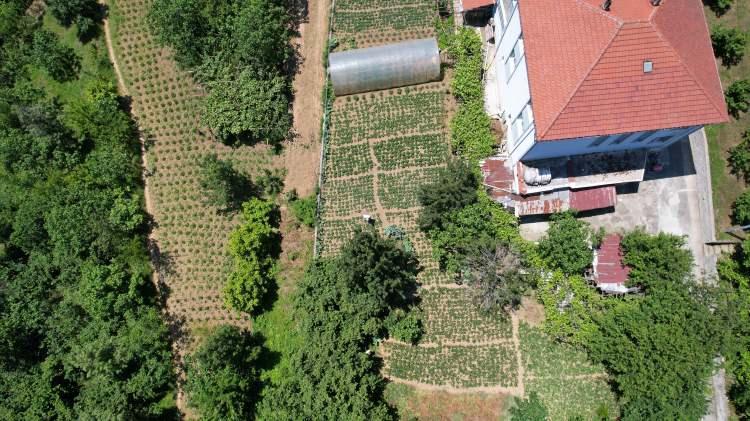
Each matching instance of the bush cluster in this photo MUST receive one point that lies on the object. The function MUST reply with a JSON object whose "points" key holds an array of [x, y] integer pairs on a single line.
{"points": [[239, 51], [255, 247], [471, 134]]}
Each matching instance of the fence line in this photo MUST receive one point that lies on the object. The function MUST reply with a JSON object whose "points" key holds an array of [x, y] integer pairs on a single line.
{"points": [[327, 107]]}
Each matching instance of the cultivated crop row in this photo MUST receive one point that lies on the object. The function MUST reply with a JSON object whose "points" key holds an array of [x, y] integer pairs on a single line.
{"points": [[456, 366], [453, 317]]}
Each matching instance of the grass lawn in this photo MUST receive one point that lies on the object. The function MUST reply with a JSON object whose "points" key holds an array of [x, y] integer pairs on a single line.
{"points": [[726, 187], [95, 64]]}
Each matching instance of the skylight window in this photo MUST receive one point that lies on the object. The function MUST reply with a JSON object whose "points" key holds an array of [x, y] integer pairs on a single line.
{"points": [[648, 66]]}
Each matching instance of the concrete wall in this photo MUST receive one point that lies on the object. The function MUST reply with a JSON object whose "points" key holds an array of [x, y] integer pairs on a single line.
{"points": [[655, 139]]}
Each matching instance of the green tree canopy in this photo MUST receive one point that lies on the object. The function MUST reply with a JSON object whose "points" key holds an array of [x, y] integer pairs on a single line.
{"points": [[222, 185], [738, 97], [223, 378], [255, 245], [729, 44], [455, 187], [341, 306], [248, 108], [567, 245]]}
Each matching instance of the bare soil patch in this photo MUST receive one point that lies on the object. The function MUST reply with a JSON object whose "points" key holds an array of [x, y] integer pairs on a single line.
{"points": [[530, 312], [301, 157]]}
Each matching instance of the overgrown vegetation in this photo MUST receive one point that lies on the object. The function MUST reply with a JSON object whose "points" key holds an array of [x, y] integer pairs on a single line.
{"points": [[568, 245], [303, 209], [223, 375], [255, 246], [471, 134], [729, 44], [741, 209], [530, 409], [660, 347], [738, 97], [82, 337], [342, 306], [239, 51]]}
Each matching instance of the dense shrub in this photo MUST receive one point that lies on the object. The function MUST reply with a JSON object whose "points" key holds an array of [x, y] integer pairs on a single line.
{"points": [[471, 134], [729, 44], [466, 48], [238, 50], [85, 14], [255, 245], [739, 158], [455, 187], [656, 259], [405, 326], [341, 307], [738, 97], [222, 185], [570, 307], [222, 376], [530, 409], [741, 209], [304, 210], [719, 6], [568, 244]]}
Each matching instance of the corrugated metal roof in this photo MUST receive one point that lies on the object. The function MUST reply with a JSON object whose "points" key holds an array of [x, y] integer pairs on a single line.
{"points": [[592, 199], [469, 5], [609, 267]]}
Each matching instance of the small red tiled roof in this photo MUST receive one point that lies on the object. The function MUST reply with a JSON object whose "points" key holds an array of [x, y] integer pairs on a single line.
{"points": [[609, 266], [586, 67], [476, 4]]}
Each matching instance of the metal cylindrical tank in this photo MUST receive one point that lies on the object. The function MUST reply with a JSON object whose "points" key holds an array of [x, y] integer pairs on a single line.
{"points": [[383, 67]]}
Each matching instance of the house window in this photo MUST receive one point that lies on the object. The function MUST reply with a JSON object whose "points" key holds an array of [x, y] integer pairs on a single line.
{"points": [[598, 141], [514, 58], [662, 138], [641, 137], [522, 122], [507, 6]]}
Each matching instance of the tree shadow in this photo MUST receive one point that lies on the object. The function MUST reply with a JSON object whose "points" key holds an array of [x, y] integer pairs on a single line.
{"points": [[719, 7], [164, 263]]}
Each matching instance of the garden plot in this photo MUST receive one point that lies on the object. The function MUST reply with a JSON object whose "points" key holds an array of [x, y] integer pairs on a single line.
{"points": [[398, 112], [566, 382], [361, 23], [349, 197], [452, 317], [399, 190], [190, 236], [454, 366], [348, 160]]}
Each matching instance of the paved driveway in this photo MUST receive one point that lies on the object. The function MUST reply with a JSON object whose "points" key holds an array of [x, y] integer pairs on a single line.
{"points": [[676, 200]]}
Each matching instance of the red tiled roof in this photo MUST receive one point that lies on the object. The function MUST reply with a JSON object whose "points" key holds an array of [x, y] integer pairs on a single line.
{"points": [[476, 4], [609, 266], [586, 67]]}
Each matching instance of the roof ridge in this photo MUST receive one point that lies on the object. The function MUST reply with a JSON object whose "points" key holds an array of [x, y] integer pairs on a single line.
{"points": [[697, 81], [620, 24], [598, 10]]}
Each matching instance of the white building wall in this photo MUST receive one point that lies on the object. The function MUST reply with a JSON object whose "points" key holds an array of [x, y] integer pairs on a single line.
{"points": [[513, 86]]}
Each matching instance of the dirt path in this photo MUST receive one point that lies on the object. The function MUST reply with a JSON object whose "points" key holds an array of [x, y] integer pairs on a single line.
{"points": [[111, 50], [301, 156]]}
